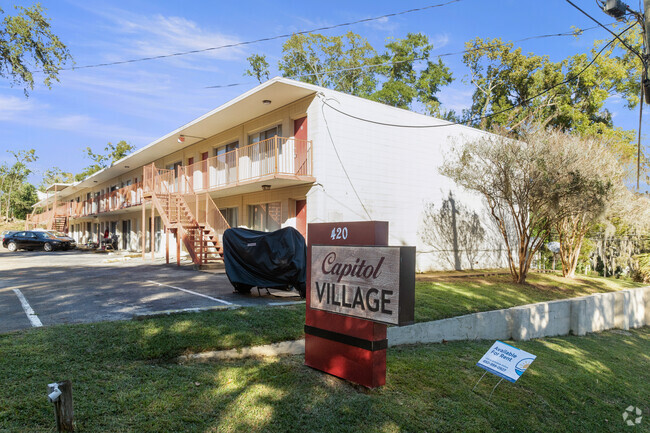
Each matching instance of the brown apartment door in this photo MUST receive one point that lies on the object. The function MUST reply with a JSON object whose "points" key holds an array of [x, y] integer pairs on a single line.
{"points": [[300, 134]]}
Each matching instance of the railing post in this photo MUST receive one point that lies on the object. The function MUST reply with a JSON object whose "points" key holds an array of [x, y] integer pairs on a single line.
{"points": [[275, 139], [200, 245], [237, 165], [144, 230]]}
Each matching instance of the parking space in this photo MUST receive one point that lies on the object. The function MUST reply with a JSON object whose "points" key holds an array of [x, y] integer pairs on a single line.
{"points": [[82, 287]]}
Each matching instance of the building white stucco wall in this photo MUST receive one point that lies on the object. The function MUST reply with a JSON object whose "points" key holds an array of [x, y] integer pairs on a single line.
{"points": [[394, 170]]}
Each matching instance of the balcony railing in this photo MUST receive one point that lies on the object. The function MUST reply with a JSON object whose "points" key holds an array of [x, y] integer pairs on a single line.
{"points": [[122, 198], [274, 156], [277, 156]]}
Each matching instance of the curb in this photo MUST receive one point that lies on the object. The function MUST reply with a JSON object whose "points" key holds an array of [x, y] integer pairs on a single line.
{"points": [[475, 326], [143, 316]]}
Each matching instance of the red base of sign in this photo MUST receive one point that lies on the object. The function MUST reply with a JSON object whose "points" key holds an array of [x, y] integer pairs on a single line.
{"points": [[346, 347], [365, 367]]}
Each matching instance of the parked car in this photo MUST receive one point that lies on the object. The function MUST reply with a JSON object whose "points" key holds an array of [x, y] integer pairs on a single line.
{"points": [[6, 233], [61, 235], [33, 240]]}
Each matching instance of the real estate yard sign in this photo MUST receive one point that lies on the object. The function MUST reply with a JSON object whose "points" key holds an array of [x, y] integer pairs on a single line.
{"points": [[506, 361]]}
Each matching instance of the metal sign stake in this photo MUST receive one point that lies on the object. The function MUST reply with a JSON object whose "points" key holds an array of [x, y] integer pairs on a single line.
{"points": [[495, 387], [479, 380]]}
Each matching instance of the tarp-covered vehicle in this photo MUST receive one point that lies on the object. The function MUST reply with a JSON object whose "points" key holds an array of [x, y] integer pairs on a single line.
{"points": [[275, 260]]}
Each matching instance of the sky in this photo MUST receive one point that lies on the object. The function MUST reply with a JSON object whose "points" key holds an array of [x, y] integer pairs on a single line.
{"points": [[141, 101]]}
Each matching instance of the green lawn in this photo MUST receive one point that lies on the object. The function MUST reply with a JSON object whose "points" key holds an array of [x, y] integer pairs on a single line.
{"points": [[577, 384], [438, 296]]}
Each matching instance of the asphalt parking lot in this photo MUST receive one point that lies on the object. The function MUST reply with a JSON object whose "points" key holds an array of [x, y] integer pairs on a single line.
{"points": [[41, 289]]}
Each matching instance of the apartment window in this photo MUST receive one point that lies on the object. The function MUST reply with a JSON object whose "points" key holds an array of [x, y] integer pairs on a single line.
{"points": [[265, 217], [174, 166], [231, 215], [226, 148], [269, 133]]}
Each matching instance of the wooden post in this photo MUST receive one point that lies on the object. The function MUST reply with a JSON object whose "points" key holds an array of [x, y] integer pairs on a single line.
{"points": [[275, 139], [200, 231], [152, 229], [178, 246], [167, 245], [143, 229], [63, 412]]}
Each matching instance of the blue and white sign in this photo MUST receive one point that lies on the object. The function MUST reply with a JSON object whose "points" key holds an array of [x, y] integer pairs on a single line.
{"points": [[506, 361]]}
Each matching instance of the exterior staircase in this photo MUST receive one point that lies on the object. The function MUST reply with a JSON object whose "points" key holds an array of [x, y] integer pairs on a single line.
{"points": [[59, 223], [193, 218]]}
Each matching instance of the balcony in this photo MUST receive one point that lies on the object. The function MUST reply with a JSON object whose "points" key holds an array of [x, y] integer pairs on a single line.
{"points": [[279, 161], [119, 199]]}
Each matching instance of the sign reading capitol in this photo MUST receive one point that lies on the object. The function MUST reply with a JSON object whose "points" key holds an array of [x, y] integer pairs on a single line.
{"points": [[373, 283]]}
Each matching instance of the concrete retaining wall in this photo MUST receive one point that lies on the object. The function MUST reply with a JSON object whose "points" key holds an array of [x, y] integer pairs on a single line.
{"points": [[625, 309]]}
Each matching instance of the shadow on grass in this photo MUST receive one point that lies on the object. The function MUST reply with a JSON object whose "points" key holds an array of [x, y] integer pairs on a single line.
{"points": [[574, 385]]}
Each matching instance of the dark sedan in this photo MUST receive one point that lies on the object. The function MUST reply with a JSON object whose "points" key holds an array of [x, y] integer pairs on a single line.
{"points": [[36, 240]]}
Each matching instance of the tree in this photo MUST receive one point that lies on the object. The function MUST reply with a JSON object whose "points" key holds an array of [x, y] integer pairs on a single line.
{"points": [[55, 175], [27, 44], [511, 87], [349, 64], [25, 197], [596, 179], [622, 234], [402, 84], [11, 178], [259, 67], [525, 183], [114, 152], [336, 62]]}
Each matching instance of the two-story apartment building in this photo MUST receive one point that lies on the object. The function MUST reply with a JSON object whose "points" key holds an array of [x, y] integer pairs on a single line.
{"points": [[285, 153]]}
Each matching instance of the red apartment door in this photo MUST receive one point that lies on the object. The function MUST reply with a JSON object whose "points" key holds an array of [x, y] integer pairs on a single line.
{"points": [[301, 217], [300, 134], [204, 169]]}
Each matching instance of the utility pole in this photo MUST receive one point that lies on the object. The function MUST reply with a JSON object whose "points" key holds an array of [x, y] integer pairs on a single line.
{"points": [[646, 48]]}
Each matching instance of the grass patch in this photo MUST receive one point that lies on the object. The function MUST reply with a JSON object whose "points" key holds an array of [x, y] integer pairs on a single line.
{"points": [[576, 384], [166, 337], [159, 338], [16, 225], [442, 296]]}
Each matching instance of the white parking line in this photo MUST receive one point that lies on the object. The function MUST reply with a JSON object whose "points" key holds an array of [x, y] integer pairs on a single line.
{"points": [[191, 292], [33, 318]]}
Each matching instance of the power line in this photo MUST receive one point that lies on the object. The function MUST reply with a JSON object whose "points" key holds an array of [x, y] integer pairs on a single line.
{"points": [[605, 27], [453, 53], [329, 133], [491, 114], [270, 38]]}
